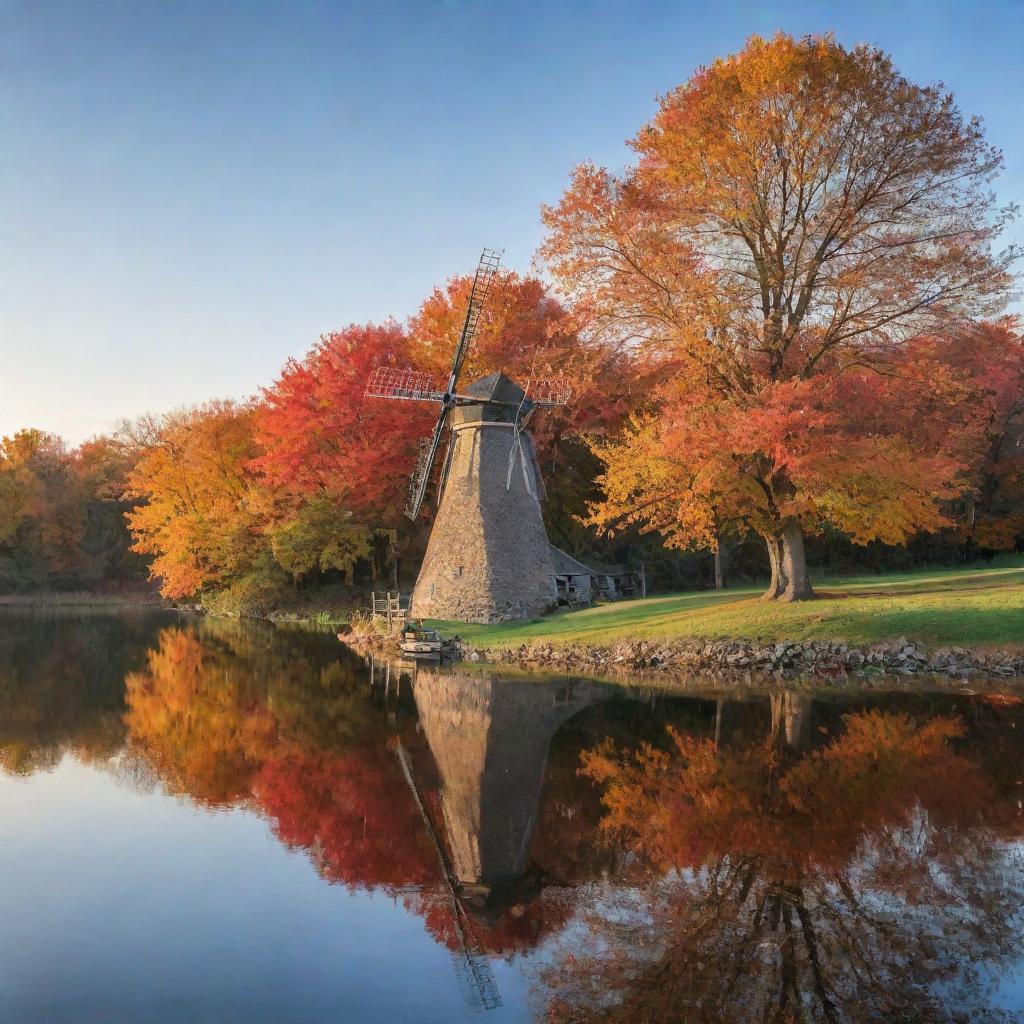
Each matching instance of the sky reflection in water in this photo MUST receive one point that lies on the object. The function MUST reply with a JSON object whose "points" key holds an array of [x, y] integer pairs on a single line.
{"points": [[203, 821]]}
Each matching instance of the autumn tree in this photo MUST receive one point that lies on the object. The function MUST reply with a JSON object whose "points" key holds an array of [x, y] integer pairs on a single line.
{"points": [[319, 434], [797, 213], [528, 334], [62, 513], [989, 357], [19, 485], [337, 462], [198, 509], [101, 466], [42, 508]]}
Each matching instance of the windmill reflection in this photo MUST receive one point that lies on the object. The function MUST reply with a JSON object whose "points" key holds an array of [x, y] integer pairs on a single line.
{"points": [[489, 737]]}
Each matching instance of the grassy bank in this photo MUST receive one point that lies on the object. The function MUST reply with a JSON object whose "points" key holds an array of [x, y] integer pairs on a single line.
{"points": [[947, 606]]}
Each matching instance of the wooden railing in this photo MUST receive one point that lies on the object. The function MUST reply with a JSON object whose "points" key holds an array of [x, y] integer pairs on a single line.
{"points": [[392, 607]]}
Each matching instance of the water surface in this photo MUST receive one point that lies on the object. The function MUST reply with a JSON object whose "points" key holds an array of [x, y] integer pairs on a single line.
{"points": [[224, 822]]}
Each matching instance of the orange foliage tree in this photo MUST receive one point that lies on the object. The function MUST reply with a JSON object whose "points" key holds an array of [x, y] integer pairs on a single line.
{"points": [[798, 212], [199, 512], [528, 334], [61, 513], [19, 485]]}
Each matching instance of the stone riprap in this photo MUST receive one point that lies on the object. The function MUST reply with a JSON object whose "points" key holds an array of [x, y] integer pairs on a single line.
{"points": [[723, 659]]}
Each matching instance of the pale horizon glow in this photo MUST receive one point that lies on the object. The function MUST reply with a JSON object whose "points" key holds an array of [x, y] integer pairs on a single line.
{"points": [[192, 193]]}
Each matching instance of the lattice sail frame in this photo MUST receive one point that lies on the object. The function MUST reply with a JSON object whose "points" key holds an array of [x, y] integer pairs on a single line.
{"points": [[410, 385], [402, 383], [549, 391]]}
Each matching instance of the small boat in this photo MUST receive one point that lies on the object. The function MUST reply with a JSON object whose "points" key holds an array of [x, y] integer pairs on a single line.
{"points": [[421, 643]]}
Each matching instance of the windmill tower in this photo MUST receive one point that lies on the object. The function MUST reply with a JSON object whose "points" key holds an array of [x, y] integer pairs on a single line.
{"points": [[488, 558]]}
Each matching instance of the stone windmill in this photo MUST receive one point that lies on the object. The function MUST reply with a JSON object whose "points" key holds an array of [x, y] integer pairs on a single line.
{"points": [[488, 557]]}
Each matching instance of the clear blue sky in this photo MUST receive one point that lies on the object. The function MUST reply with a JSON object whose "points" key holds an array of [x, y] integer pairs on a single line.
{"points": [[190, 192]]}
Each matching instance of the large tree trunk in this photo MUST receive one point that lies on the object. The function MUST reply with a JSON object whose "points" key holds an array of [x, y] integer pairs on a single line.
{"points": [[791, 715], [794, 563], [719, 575], [777, 584], [788, 564]]}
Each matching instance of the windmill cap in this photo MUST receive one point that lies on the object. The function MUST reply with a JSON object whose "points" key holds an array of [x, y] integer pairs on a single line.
{"points": [[496, 387]]}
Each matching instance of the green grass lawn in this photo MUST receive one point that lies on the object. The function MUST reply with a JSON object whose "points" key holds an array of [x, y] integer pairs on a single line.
{"points": [[947, 606]]}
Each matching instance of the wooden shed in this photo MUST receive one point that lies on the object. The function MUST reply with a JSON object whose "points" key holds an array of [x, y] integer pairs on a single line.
{"points": [[614, 582], [573, 579]]}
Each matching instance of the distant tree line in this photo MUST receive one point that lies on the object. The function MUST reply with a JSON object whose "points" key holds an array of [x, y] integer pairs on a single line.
{"points": [[62, 514]]}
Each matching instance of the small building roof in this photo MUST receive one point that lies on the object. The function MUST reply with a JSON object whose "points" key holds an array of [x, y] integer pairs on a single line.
{"points": [[602, 569], [566, 565]]}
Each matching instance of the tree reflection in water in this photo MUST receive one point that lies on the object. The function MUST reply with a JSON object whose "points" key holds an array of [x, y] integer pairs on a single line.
{"points": [[62, 689], [762, 859], [226, 720], [871, 879]]}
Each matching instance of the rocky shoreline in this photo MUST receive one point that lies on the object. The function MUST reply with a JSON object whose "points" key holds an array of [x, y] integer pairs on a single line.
{"points": [[739, 659]]}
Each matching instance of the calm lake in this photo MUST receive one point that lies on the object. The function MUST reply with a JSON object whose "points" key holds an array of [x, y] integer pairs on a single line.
{"points": [[224, 822]]}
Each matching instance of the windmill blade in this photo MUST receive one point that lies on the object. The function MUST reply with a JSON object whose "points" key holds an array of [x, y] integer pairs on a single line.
{"points": [[445, 467], [408, 385], [424, 467], [486, 270], [415, 386], [549, 391], [472, 969]]}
